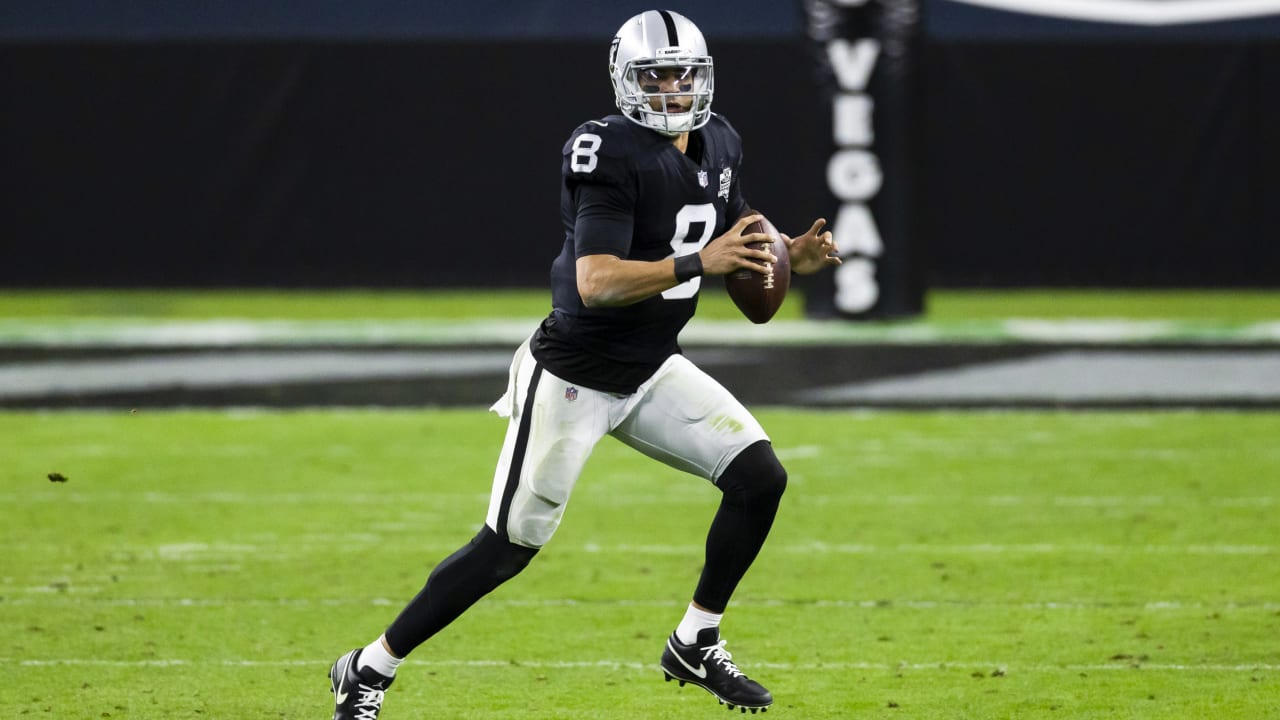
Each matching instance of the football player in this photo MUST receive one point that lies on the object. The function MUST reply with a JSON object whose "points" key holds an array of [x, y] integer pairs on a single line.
{"points": [[651, 201]]}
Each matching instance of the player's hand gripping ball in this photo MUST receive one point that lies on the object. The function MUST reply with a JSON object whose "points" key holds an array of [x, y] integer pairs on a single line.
{"points": [[759, 295]]}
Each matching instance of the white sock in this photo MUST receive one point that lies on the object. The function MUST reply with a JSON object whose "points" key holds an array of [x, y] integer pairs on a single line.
{"points": [[375, 656], [695, 620]]}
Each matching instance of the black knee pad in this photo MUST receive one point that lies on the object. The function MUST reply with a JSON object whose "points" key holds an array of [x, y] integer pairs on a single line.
{"points": [[755, 475], [504, 558]]}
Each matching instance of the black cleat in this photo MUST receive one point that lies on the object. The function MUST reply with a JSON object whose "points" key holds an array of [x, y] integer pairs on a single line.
{"points": [[707, 665], [356, 697]]}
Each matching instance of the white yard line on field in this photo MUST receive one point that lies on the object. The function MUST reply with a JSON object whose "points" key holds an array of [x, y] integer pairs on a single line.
{"points": [[1002, 667], [818, 547], [603, 495], [282, 551], [45, 600]]}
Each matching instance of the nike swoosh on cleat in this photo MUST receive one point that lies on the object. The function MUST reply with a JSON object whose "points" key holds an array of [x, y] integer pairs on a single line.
{"points": [[339, 696], [699, 672]]}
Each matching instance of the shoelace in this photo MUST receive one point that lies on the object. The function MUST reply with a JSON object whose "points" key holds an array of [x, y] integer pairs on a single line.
{"points": [[717, 654], [370, 701]]}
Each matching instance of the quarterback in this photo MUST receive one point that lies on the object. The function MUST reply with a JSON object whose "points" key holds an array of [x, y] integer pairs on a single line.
{"points": [[651, 201]]}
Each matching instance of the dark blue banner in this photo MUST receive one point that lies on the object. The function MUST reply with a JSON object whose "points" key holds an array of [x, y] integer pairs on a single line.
{"points": [[160, 20]]}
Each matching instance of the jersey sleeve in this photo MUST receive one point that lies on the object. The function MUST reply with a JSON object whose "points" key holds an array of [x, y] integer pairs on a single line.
{"points": [[600, 181], [604, 222], [599, 154]]}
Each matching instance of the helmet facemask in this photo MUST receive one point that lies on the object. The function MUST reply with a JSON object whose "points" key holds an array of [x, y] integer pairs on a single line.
{"points": [[650, 51], [640, 91]]}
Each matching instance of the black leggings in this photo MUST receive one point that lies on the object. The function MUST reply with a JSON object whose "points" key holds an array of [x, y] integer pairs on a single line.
{"points": [[455, 585], [752, 485]]}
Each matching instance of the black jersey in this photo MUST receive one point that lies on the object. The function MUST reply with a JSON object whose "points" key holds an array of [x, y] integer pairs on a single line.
{"points": [[628, 191]]}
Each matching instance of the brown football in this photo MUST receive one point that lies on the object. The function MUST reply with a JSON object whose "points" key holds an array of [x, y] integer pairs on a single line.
{"points": [[759, 295]]}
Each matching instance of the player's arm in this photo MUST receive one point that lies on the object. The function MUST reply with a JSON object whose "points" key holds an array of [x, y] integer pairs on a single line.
{"points": [[607, 280], [602, 232], [610, 281]]}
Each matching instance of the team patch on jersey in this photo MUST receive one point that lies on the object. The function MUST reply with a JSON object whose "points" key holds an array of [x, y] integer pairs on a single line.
{"points": [[702, 178], [726, 178], [571, 393]]}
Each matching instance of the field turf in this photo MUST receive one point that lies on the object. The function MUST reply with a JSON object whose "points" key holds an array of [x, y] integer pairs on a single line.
{"points": [[1021, 565], [942, 305]]}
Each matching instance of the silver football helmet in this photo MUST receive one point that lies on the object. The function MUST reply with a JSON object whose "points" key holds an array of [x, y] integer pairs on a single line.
{"points": [[662, 46]]}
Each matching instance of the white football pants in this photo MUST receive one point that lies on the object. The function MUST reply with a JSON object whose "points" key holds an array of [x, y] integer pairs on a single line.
{"points": [[681, 416]]}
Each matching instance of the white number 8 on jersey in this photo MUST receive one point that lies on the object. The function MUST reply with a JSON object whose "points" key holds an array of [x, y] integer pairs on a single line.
{"points": [[584, 158]]}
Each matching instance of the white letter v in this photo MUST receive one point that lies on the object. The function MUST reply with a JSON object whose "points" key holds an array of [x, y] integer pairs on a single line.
{"points": [[853, 62]]}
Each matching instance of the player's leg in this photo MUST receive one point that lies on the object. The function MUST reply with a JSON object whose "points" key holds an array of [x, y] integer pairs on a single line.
{"points": [[549, 437], [752, 485], [361, 677], [686, 419]]}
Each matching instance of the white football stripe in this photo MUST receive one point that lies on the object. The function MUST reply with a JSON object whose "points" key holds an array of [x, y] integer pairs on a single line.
{"points": [[206, 371], [927, 665], [1138, 12], [1168, 606], [1078, 376], [100, 498], [360, 544]]}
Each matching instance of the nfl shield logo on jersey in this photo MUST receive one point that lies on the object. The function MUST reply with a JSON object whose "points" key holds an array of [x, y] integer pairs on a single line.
{"points": [[702, 178], [571, 393]]}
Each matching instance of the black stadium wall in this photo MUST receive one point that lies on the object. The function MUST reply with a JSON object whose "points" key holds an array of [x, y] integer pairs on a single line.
{"points": [[1064, 152], [387, 159], [320, 163]]}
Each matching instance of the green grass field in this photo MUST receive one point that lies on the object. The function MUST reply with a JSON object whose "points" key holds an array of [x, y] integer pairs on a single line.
{"points": [[925, 565], [942, 305], [111, 318]]}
